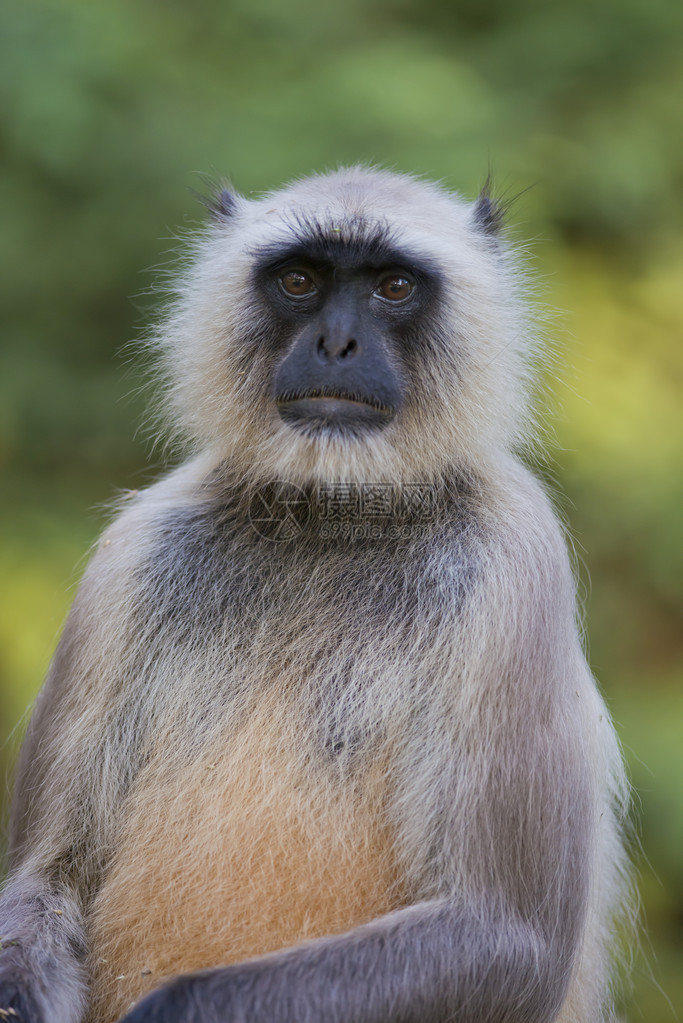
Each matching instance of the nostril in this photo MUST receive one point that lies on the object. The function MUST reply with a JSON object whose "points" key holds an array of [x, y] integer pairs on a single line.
{"points": [[349, 350], [336, 351]]}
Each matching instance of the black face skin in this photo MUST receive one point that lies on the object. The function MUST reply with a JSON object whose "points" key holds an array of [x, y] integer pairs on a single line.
{"points": [[345, 310]]}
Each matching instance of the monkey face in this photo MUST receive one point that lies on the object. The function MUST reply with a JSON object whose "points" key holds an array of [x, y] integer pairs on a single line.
{"points": [[339, 373], [356, 326], [344, 314]]}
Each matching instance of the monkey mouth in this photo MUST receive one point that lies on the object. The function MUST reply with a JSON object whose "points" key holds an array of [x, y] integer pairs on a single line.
{"points": [[321, 408]]}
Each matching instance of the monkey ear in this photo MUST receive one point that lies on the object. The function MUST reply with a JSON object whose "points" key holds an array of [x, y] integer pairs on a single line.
{"points": [[488, 212], [223, 205]]}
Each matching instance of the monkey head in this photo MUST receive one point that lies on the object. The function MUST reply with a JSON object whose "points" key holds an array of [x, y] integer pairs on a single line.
{"points": [[358, 325]]}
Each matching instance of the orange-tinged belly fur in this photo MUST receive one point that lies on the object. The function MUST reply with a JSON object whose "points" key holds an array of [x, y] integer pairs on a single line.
{"points": [[252, 848]]}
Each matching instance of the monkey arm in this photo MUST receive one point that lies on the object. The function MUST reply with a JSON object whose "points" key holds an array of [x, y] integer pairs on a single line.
{"points": [[77, 761], [43, 948], [58, 838], [433, 962], [42, 944], [42, 952]]}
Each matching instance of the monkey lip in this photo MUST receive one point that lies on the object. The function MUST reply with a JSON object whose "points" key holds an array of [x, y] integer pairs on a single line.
{"points": [[333, 410]]}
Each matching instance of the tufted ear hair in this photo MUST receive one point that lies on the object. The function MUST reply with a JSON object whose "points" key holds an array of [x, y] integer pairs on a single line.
{"points": [[222, 205], [489, 213], [218, 197]]}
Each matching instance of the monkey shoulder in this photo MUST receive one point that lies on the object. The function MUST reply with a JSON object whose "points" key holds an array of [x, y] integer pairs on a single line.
{"points": [[97, 668], [141, 542], [511, 527]]}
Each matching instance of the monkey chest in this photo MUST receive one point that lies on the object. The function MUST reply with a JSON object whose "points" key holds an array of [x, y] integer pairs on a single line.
{"points": [[256, 845]]}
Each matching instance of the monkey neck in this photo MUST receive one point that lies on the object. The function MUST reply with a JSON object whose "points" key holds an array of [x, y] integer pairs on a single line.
{"points": [[286, 510]]}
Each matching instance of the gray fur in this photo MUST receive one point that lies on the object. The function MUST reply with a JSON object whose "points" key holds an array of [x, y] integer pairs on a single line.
{"points": [[445, 656], [43, 949]]}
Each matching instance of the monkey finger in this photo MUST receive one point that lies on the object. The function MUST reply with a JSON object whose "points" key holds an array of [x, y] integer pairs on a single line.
{"points": [[17, 1004]]}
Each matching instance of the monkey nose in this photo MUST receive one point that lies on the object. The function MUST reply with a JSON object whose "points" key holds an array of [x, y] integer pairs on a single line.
{"points": [[330, 350]]}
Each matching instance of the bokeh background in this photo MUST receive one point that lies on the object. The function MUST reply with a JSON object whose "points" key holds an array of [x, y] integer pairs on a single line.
{"points": [[113, 111]]}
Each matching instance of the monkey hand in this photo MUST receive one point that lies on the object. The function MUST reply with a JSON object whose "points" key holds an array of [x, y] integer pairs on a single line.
{"points": [[241, 993], [249, 992], [175, 1002], [17, 1003]]}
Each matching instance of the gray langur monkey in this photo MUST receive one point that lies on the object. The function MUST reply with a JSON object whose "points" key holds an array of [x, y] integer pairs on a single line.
{"points": [[319, 743]]}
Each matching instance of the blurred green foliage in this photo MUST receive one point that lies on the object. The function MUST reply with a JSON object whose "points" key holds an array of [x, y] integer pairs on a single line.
{"points": [[110, 115]]}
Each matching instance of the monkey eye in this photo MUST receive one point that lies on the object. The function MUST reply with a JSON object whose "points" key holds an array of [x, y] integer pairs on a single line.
{"points": [[297, 282], [395, 288]]}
